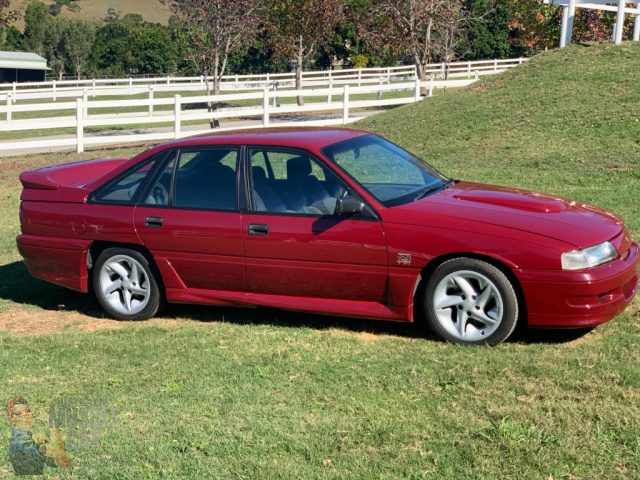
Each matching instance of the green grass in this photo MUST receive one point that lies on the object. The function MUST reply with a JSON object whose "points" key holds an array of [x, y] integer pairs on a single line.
{"points": [[229, 393]]}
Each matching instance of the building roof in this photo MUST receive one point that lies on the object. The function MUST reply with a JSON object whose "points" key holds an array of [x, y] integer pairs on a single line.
{"points": [[23, 61]]}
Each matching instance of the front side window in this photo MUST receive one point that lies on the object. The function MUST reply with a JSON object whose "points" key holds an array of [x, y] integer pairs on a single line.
{"points": [[389, 173], [291, 182]]}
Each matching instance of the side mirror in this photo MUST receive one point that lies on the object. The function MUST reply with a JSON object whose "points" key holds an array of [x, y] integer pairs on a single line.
{"points": [[350, 205]]}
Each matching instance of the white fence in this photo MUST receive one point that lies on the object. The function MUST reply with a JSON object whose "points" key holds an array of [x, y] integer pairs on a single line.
{"points": [[177, 115], [83, 111], [54, 90]]}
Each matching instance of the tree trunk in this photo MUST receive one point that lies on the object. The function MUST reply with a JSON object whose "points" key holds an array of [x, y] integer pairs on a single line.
{"points": [[420, 70], [299, 72], [211, 106]]}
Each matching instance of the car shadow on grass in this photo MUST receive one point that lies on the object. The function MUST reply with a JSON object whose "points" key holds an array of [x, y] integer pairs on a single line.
{"points": [[18, 286]]}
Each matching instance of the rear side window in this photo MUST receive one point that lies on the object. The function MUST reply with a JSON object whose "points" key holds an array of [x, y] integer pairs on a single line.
{"points": [[125, 189], [206, 178]]}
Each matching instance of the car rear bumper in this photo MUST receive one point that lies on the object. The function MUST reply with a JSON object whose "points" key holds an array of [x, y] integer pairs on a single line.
{"points": [[62, 261], [581, 298]]}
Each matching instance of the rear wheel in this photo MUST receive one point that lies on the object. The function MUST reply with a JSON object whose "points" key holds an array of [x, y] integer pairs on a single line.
{"points": [[470, 302], [125, 285]]}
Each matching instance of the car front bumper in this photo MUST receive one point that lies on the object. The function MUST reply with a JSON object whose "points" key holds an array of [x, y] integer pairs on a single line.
{"points": [[580, 298]]}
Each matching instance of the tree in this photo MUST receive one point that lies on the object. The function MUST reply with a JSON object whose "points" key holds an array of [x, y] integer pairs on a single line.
{"points": [[453, 23], [153, 49], [111, 52], [77, 39], [53, 48], [299, 27], [420, 29], [211, 30], [533, 26], [13, 40], [36, 20], [489, 37]]}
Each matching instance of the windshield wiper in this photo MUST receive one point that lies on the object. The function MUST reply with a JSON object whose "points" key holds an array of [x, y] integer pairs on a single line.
{"points": [[434, 188]]}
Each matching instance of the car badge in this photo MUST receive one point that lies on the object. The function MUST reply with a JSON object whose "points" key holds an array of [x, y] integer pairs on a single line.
{"points": [[404, 259]]}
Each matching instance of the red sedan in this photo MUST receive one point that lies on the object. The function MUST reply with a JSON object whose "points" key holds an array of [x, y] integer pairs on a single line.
{"points": [[333, 221]]}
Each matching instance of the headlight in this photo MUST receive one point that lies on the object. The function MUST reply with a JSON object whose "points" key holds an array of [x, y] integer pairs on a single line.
{"points": [[589, 257]]}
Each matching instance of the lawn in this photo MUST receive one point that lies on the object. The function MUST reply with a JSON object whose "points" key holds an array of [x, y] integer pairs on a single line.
{"points": [[208, 392]]}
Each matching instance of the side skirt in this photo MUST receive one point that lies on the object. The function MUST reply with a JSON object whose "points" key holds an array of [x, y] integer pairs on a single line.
{"points": [[324, 306]]}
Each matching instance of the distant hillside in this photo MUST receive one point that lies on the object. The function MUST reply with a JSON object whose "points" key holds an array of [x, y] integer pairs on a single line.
{"points": [[95, 10]]}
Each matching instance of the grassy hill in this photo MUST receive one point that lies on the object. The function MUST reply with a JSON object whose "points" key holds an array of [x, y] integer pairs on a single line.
{"points": [[95, 10], [567, 121], [263, 394]]}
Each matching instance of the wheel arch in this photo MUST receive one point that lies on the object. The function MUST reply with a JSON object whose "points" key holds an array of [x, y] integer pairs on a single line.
{"points": [[429, 268], [99, 246]]}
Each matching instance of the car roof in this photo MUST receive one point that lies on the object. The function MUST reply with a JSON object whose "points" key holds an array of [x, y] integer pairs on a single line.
{"points": [[301, 137]]}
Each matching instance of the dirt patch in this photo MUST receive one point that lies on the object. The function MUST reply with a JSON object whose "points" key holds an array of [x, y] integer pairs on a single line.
{"points": [[26, 322]]}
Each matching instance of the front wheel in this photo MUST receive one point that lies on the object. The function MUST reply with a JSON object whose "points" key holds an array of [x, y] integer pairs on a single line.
{"points": [[125, 284], [470, 302]]}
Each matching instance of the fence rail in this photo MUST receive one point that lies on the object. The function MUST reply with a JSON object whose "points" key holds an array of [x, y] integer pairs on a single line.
{"points": [[80, 117], [54, 90]]}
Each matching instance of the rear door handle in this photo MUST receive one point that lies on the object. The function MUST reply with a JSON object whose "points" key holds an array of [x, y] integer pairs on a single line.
{"points": [[258, 230], [153, 222]]}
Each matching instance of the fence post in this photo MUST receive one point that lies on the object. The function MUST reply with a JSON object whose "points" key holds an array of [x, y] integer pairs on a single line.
{"points": [[9, 102], [151, 100], [359, 75], [476, 75], [14, 88], [416, 93], [388, 74], [201, 80], [236, 82], [442, 70], [330, 87], [495, 65], [431, 84], [168, 81], [275, 97], [130, 84], [345, 104], [79, 125], [94, 87], [520, 61], [176, 116], [54, 90], [265, 107], [380, 91], [469, 69]]}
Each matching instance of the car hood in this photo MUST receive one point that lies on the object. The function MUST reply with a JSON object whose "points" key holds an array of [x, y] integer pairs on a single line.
{"points": [[555, 217]]}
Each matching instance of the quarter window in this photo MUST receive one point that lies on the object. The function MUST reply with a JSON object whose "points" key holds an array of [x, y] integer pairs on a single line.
{"points": [[126, 188]]}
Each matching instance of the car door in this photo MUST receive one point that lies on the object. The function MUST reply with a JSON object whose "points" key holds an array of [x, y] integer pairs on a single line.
{"points": [[188, 218], [294, 244]]}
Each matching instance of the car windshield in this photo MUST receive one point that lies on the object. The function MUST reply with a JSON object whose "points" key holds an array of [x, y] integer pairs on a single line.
{"points": [[390, 174]]}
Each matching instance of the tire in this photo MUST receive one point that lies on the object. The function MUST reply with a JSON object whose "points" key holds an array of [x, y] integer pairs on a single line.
{"points": [[470, 302], [125, 285]]}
